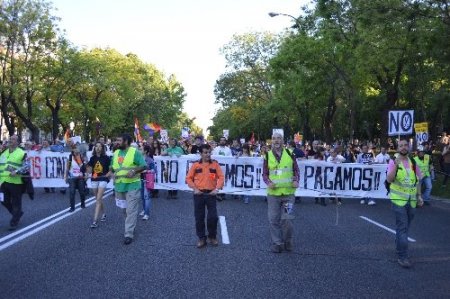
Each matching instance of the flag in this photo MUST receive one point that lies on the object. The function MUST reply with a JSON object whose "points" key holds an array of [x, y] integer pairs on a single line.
{"points": [[297, 137], [137, 135], [252, 139], [67, 135], [152, 127]]}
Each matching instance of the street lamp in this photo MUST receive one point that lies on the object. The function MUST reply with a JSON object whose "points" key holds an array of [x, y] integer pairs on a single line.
{"points": [[275, 14]]}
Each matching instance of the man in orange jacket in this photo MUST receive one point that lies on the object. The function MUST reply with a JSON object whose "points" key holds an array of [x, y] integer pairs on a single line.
{"points": [[205, 177]]}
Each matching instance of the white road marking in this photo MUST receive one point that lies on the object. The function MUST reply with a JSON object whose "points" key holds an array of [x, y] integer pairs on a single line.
{"points": [[224, 230], [65, 213], [384, 227]]}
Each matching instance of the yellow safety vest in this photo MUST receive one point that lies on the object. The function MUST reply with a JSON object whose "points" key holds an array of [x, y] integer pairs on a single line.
{"points": [[281, 174], [424, 164], [121, 169], [404, 187], [9, 161]]}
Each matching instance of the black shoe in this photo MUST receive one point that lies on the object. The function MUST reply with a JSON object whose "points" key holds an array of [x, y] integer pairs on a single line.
{"points": [[316, 201], [13, 225], [71, 210], [127, 241], [276, 248], [83, 206], [427, 203], [62, 191], [322, 202], [288, 246]]}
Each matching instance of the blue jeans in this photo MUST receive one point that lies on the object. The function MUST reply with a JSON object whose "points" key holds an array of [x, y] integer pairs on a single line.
{"points": [[146, 196], [426, 188], [403, 217]]}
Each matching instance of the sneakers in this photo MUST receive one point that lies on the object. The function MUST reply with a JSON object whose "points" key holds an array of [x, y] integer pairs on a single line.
{"points": [[371, 202], [362, 202], [142, 213], [82, 205], [213, 242], [404, 263], [201, 243], [94, 224], [276, 248], [103, 219], [127, 241], [145, 217], [71, 210]]}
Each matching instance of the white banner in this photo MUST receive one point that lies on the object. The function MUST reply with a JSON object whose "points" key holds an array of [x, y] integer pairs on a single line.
{"points": [[243, 175], [401, 122]]}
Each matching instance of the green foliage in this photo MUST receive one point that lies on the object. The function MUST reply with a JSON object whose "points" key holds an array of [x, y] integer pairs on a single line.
{"points": [[346, 66], [44, 77]]}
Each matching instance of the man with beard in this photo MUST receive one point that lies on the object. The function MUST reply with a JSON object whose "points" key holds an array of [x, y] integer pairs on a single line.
{"points": [[281, 175], [405, 194], [366, 157], [222, 149], [126, 166]]}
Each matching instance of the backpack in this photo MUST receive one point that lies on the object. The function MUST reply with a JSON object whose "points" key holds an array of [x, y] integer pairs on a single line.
{"points": [[388, 185]]}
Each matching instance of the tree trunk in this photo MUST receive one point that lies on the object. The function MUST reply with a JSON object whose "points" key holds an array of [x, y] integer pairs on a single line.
{"points": [[391, 99], [328, 120]]}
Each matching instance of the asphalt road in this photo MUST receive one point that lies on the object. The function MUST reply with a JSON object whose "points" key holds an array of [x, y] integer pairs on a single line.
{"points": [[337, 254]]}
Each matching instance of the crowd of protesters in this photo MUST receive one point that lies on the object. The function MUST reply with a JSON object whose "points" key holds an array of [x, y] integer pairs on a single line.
{"points": [[79, 167]]}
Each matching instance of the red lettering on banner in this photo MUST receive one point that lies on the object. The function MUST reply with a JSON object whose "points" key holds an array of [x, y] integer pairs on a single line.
{"points": [[35, 167]]}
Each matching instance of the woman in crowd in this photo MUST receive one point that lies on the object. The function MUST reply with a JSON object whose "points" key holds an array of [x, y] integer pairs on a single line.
{"points": [[349, 155], [156, 150], [97, 168], [146, 192], [75, 177]]}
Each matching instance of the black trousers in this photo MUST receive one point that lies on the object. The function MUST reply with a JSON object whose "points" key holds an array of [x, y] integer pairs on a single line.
{"points": [[201, 202], [13, 200], [80, 184]]}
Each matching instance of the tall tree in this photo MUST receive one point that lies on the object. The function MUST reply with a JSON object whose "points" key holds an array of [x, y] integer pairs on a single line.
{"points": [[29, 33]]}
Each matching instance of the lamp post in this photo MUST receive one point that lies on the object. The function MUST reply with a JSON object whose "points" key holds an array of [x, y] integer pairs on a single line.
{"points": [[276, 14]]}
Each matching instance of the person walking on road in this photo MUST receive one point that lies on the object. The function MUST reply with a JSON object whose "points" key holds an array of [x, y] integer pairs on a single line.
{"points": [[405, 194], [126, 165], [205, 177], [75, 177], [12, 164], [97, 168], [281, 175], [425, 164]]}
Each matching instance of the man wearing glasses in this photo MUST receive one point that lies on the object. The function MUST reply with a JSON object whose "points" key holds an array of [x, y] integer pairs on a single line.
{"points": [[205, 177]]}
